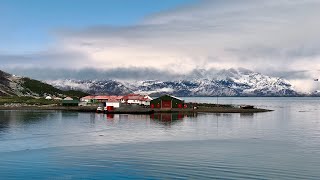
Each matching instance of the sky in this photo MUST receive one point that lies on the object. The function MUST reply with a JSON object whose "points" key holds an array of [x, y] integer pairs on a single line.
{"points": [[51, 39]]}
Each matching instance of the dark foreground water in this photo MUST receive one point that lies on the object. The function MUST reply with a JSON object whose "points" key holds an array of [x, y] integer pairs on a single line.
{"points": [[284, 144]]}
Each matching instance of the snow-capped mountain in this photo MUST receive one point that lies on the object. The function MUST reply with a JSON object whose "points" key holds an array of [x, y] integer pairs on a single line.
{"points": [[231, 82]]}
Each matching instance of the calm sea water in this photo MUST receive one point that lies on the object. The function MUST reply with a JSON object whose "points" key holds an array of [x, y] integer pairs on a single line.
{"points": [[283, 144]]}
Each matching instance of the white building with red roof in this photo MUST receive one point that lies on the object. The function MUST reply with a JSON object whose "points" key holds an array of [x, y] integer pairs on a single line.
{"points": [[87, 98], [117, 100], [113, 102], [146, 100], [137, 99]]}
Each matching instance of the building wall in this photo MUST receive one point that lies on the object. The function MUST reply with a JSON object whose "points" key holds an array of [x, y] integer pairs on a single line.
{"points": [[114, 104], [146, 103], [166, 104], [84, 100], [177, 103], [134, 101], [156, 103]]}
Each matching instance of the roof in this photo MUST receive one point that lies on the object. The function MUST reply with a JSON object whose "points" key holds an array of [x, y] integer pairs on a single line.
{"points": [[176, 98], [113, 100], [168, 97], [68, 99], [146, 99], [116, 97], [101, 97], [107, 97], [136, 97], [88, 97]]}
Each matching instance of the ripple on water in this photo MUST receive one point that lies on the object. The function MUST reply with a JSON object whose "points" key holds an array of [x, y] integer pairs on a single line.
{"points": [[165, 160]]}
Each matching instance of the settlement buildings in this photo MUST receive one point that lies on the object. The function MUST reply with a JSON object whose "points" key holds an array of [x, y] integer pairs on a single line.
{"points": [[163, 102], [116, 101]]}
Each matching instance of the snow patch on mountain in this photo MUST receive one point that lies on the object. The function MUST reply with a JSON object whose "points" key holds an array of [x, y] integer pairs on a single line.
{"points": [[71, 84]]}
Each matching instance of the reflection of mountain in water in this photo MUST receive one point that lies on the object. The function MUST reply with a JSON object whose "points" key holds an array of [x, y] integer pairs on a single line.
{"points": [[247, 115]]}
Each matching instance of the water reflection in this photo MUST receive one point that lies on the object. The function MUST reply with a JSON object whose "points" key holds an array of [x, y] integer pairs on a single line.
{"points": [[92, 118], [164, 118], [283, 144], [70, 115], [121, 119], [169, 119], [21, 118], [4, 122], [110, 116], [247, 115]]}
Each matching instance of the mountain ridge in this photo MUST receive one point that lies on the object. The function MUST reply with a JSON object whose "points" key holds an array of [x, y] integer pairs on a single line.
{"points": [[230, 82], [11, 85]]}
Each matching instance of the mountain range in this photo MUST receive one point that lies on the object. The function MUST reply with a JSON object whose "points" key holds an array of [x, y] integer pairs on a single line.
{"points": [[231, 82]]}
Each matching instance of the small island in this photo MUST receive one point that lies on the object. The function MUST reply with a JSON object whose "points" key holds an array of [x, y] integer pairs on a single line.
{"points": [[129, 104]]}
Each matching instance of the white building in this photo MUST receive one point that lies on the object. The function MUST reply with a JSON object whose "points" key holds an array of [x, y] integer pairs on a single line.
{"points": [[132, 99], [146, 100], [48, 98], [137, 99], [115, 103]]}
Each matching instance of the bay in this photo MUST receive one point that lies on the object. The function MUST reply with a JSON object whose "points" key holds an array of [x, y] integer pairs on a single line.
{"points": [[282, 144]]}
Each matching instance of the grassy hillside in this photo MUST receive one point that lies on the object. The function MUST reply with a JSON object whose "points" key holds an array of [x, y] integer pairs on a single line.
{"points": [[12, 87], [43, 89], [26, 100]]}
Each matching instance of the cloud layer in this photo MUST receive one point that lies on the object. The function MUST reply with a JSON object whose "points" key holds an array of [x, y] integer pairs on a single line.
{"points": [[128, 74], [276, 37], [280, 35]]}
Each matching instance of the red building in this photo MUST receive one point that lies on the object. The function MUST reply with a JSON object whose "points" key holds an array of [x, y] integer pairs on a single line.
{"points": [[167, 102]]}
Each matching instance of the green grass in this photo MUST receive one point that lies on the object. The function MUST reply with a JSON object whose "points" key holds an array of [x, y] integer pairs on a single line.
{"points": [[75, 94], [42, 89], [27, 100]]}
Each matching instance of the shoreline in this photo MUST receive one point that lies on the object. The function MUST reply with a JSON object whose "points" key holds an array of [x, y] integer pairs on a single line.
{"points": [[138, 110]]}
